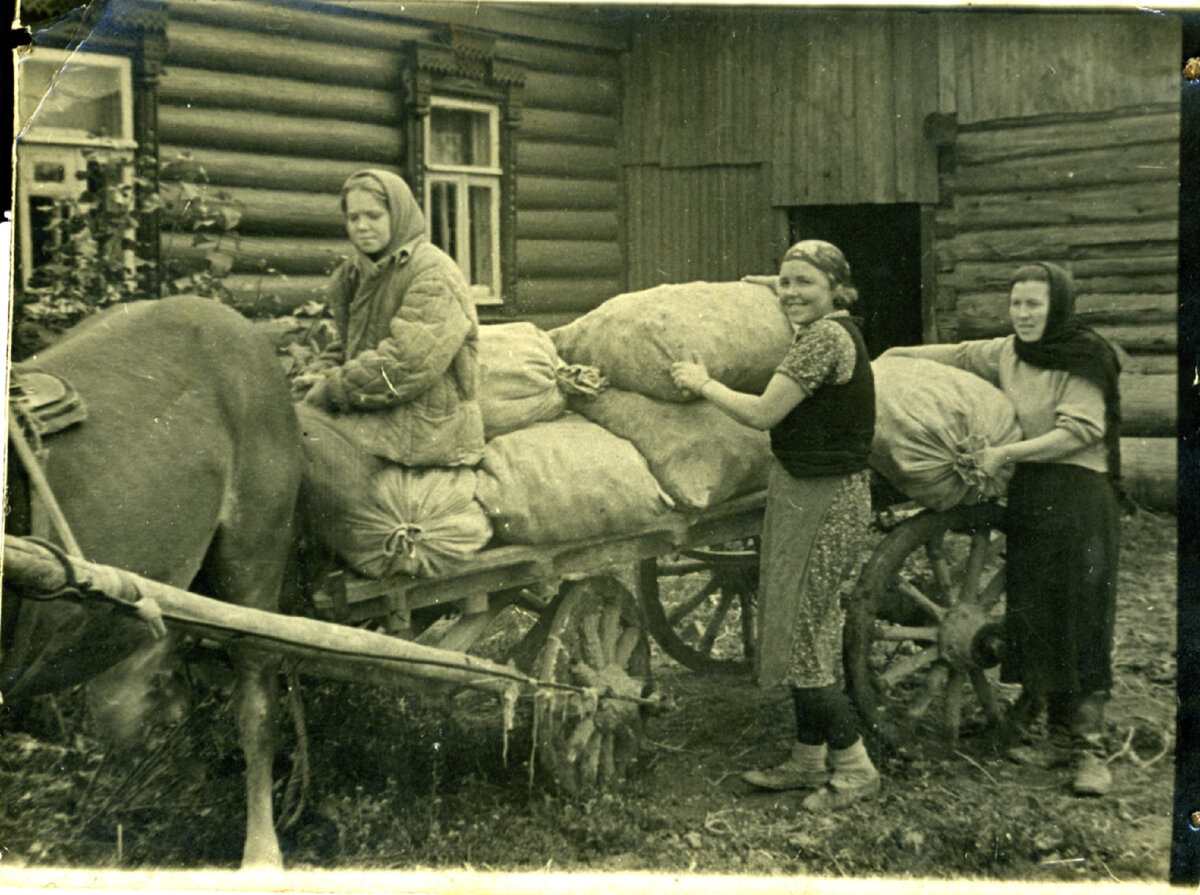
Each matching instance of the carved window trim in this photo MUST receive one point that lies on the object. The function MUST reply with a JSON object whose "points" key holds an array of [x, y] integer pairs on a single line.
{"points": [[463, 65]]}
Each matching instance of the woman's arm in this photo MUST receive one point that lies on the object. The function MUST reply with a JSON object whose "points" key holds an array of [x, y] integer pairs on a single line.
{"points": [[1053, 445], [757, 411], [426, 334], [942, 353], [1079, 422]]}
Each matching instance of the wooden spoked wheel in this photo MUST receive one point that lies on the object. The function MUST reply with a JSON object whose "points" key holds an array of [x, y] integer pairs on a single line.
{"points": [[596, 641], [925, 623], [703, 613]]}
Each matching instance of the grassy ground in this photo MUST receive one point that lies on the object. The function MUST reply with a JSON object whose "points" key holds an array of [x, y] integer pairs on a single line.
{"points": [[407, 782]]}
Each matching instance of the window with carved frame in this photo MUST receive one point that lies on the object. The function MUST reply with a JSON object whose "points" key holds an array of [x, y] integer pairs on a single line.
{"points": [[462, 189], [463, 109]]}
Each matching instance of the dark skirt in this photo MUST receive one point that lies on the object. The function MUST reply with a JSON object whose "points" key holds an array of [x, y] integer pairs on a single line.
{"points": [[1063, 540]]}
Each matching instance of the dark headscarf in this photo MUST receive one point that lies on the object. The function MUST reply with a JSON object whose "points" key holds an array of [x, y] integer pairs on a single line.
{"points": [[1069, 344]]}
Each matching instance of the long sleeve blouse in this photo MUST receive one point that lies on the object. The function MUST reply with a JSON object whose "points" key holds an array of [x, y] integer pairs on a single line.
{"points": [[1044, 399]]}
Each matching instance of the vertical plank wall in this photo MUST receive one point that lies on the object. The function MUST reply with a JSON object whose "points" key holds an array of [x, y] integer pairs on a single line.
{"points": [[733, 117], [280, 101], [1072, 158]]}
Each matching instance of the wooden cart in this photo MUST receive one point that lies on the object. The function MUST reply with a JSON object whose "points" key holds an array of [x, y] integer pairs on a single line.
{"points": [[922, 622]]}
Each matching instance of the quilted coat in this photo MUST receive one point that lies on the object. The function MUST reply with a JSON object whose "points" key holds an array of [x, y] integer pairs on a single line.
{"points": [[403, 380]]}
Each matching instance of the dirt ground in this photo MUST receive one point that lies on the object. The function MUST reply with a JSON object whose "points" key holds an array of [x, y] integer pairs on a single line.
{"points": [[407, 782]]}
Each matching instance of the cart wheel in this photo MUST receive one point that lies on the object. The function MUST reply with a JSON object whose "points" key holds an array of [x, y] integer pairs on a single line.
{"points": [[924, 622], [712, 626], [597, 641]]}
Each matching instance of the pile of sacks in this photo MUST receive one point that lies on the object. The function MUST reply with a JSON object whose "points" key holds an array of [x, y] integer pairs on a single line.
{"points": [[587, 435]]}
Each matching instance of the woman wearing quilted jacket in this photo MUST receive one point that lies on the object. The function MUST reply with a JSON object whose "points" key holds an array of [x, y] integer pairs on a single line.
{"points": [[403, 378]]}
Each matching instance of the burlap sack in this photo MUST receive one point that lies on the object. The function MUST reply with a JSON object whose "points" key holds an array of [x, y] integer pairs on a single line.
{"points": [[522, 380], [383, 519], [699, 455], [932, 420], [565, 480], [738, 330]]}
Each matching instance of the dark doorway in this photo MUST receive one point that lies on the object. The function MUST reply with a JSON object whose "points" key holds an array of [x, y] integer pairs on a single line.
{"points": [[882, 243]]}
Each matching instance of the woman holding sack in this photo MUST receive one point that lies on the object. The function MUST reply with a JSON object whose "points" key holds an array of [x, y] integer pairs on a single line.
{"points": [[403, 379], [1063, 509], [820, 409]]}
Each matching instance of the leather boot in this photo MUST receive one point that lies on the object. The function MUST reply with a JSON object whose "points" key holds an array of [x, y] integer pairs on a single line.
{"points": [[854, 778], [1091, 776], [1030, 742], [804, 769]]}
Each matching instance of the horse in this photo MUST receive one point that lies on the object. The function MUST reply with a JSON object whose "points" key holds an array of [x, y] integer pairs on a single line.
{"points": [[186, 471]]}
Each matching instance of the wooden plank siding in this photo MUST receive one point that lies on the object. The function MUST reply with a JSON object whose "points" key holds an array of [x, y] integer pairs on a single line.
{"points": [[278, 102], [732, 117], [834, 103], [700, 223], [1013, 65]]}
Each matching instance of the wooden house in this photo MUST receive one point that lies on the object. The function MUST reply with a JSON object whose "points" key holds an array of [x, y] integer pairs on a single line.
{"points": [[619, 147]]}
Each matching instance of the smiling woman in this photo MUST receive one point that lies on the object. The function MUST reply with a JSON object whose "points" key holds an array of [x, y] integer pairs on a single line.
{"points": [[820, 408]]}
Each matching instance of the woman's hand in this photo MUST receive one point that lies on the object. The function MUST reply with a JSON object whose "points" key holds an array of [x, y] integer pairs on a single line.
{"points": [[690, 375], [317, 393], [991, 461], [305, 381]]}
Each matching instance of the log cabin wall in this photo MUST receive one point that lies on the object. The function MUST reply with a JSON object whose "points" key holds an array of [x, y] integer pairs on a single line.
{"points": [[1066, 150], [280, 101], [731, 118]]}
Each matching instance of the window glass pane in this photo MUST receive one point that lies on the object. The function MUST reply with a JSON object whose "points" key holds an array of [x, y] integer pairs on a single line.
{"points": [[482, 262], [443, 198], [459, 137], [81, 97]]}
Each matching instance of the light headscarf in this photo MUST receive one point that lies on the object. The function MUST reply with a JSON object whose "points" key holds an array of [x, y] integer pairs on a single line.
{"points": [[827, 258], [407, 219]]}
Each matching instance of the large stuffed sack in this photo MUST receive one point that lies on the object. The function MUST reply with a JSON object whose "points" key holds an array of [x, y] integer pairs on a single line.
{"points": [[699, 455], [931, 423], [522, 380], [382, 519], [566, 480], [738, 330]]}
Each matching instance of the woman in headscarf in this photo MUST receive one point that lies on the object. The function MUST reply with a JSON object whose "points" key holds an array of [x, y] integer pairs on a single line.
{"points": [[403, 379], [1063, 510], [820, 409]]}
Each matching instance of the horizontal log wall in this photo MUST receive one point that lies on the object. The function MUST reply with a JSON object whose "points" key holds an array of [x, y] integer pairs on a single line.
{"points": [[1097, 193], [278, 102]]}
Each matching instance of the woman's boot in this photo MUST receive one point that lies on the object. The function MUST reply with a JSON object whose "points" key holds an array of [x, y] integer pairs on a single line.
{"points": [[854, 778], [1091, 776], [804, 769]]}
